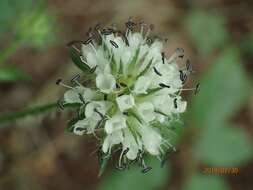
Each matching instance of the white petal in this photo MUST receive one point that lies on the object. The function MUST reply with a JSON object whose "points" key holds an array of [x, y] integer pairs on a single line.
{"points": [[151, 139], [163, 103], [91, 60], [126, 56], [106, 82], [112, 139], [142, 85], [125, 102], [135, 40], [90, 112], [83, 126], [71, 96], [117, 122], [146, 110], [130, 142]]}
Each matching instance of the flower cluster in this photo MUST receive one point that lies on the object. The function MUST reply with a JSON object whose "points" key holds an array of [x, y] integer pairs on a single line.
{"points": [[134, 87]]}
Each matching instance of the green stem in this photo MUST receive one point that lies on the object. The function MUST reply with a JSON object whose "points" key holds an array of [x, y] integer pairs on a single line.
{"points": [[36, 110]]}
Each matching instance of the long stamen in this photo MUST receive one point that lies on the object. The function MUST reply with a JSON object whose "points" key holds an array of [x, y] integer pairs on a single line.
{"points": [[59, 82]]}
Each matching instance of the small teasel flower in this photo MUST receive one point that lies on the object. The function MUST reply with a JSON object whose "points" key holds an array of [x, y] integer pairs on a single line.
{"points": [[132, 86]]}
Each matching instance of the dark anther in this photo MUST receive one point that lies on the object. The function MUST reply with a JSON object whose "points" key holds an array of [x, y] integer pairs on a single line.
{"points": [[114, 44], [89, 40], [166, 40], [81, 97], [60, 104], [163, 57], [157, 72], [58, 81], [99, 113], [197, 88], [125, 113], [175, 103], [164, 85], [130, 24], [93, 69], [123, 84], [105, 97], [149, 41], [121, 94], [107, 31], [183, 76], [97, 27], [124, 36], [75, 78], [180, 52], [80, 129], [125, 151], [146, 169], [123, 167], [188, 66]]}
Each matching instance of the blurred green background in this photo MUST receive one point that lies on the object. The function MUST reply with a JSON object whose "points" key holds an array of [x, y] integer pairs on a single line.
{"points": [[35, 153]]}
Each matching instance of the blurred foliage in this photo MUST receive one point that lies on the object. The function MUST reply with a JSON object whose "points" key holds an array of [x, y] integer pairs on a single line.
{"points": [[10, 12], [246, 45], [224, 88], [9, 74], [224, 146], [135, 180], [207, 182], [31, 25], [207, 30], [35, 27]]}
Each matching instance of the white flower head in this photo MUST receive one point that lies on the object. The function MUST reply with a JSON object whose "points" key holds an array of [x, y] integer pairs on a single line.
{"points": [[133, 89]]}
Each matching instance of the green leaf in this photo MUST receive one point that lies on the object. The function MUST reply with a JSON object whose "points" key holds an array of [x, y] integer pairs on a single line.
{"points": [[206, 182], [224, 88], [10, 11], [134, 179], [12, 74], [223, 146], [35, 27], [207, 30], [75, 56]]}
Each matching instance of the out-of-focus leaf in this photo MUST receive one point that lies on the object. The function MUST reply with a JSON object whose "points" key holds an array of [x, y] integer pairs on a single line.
{"points": [[207, 30], [10, 11], [224, 88], [205, 182], [223, 146], [12, 74], [134, 179], [247, 44], [35, 27], [77, 60]]}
